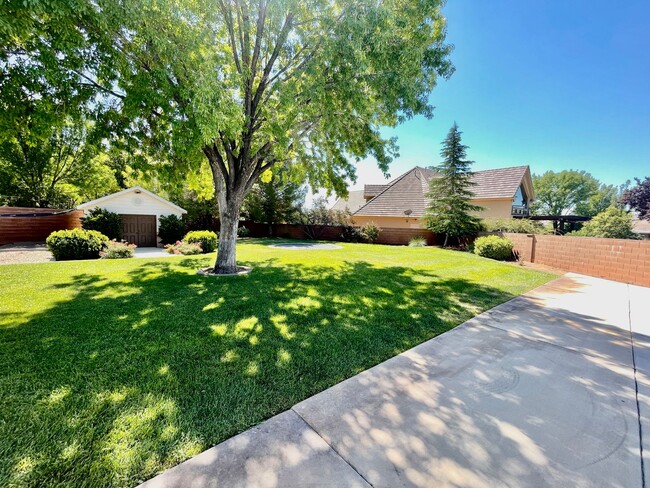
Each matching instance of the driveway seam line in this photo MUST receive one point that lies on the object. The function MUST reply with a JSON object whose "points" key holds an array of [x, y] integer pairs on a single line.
{"points": [[332, 448], [521, 336], [636, 387]]}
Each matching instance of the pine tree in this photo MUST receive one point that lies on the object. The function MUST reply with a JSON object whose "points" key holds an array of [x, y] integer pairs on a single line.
{"points": [[449, 194]]}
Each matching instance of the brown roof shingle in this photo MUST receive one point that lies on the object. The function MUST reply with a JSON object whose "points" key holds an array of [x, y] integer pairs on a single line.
{"points": [[406, 193], [353, 203], [373, 190]]}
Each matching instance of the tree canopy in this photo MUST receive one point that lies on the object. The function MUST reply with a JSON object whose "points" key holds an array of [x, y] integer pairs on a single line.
{"points": [[275, 200], [638, 197], [249, 85], [449, 209], [614, 223], [563, 192]]}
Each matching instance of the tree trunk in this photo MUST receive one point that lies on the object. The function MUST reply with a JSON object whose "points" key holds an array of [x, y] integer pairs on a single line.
{"points": [[226, 251], [444, 244]]}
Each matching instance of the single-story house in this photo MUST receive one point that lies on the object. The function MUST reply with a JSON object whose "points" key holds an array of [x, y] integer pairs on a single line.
{"points": [[503, 193], [140, 210]]}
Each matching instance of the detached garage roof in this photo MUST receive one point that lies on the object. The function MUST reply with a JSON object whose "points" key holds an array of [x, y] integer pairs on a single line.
{"points": [[136, 190]]}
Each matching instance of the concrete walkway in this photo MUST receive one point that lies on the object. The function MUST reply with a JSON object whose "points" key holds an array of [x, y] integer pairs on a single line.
{"points": [[549, 389]]}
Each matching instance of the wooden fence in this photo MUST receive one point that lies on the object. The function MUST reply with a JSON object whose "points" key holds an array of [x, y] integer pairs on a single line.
{"points": [[334, 233], [35, 228]]}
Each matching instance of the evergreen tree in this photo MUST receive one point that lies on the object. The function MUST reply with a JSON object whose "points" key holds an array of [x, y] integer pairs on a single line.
{"points": [[449, 208], [278, 200]]}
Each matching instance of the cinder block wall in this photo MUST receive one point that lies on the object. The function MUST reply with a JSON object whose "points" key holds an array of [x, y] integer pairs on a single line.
{"points": [[622, 260]]}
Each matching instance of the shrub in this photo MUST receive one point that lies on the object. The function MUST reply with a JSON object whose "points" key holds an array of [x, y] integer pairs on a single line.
{"points": [[493, 247], [170, 228], [351, 233], [418, 242], [76, 244], [517, 226], [118, 250], [206, 238], [243, 231], [370, 232], [613, 223], [185, 248], [104, 221]]}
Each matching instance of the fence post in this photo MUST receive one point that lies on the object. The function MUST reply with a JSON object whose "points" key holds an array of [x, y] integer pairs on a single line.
{"points": [[533, 243]]}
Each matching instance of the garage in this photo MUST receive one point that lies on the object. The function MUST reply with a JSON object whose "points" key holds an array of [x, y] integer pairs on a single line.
{"points": [[140, 210], [139, 229]]}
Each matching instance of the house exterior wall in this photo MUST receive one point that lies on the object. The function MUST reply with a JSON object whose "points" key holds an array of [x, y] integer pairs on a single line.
{"points": [[494, 209], [388, 222], [501, 209]]}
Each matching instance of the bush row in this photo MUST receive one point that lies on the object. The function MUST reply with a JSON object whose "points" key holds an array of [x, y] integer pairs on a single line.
{"points": [[91, 244]]}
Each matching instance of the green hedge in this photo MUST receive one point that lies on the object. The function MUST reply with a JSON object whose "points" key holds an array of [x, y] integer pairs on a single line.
{"points": [[76, 244], [104, 221], [170, 229], [517, 226], [493, 247], [206, 238]]}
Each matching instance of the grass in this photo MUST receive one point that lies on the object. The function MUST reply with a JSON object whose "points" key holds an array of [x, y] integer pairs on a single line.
{"points": [[112, 371]]}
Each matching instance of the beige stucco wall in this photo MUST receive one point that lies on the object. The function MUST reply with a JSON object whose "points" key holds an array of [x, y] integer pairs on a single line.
{"points": [[389, 222], [494, 209]]}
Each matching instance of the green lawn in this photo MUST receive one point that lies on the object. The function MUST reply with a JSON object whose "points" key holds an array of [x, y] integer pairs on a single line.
{"points": [[112, 371]]}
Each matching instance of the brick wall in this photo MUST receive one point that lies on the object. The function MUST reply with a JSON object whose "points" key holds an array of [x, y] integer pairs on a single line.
{"points": [[623, 260], [35, 229], [333, 233]]}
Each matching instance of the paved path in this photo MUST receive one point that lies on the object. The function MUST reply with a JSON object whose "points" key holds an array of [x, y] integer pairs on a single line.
{"points": [[540, 391], [38, 253]]}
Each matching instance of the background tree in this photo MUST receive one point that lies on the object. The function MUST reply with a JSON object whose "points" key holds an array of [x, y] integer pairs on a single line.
{"points": [[638, 198], [274, 201], [320, 215], [563, 192], [614, 223], [48, 152], [449, 209], [53, 166], [603, 198], [247, 85]]}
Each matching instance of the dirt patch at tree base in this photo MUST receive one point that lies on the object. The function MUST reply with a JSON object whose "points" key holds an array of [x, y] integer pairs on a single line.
{"points": [[241, 270]]}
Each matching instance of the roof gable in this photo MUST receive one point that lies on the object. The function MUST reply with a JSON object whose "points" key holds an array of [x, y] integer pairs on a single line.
{"points": [[133, 189], [498, 183], [407, 193], [404, 196]]}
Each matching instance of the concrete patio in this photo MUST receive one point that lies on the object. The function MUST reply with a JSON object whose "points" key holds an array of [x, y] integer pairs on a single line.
{"points": [[549, 389]]}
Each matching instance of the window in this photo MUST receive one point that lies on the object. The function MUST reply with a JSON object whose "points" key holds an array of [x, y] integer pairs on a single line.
{"points": [[520, 197]]}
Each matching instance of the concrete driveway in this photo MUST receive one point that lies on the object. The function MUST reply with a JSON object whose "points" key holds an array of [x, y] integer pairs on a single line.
{"points": [[33, 252], [549, 389]]}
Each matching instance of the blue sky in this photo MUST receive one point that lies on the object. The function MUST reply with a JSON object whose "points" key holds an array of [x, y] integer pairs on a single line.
{"points": [[557, 85]]}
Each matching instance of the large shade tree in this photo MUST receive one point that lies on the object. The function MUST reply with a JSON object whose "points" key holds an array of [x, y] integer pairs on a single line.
{"points": [[564, 192], [48, 155], [249, 85]]}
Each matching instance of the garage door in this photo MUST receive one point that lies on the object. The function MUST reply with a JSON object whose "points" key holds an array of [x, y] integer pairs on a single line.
{"points": [[140, 230]]}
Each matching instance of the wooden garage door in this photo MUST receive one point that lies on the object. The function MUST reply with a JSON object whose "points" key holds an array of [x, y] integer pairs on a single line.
{"points": [[140, 230]]}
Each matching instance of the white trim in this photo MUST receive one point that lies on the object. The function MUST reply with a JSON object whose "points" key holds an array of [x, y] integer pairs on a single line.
{"points": [[93, 203]]}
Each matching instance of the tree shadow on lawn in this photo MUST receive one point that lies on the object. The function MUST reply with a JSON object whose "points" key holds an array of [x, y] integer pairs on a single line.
{"points": [[135, 375]]}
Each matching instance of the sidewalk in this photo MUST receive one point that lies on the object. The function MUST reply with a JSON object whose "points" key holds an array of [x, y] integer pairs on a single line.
{"points": [[540, 391]]}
